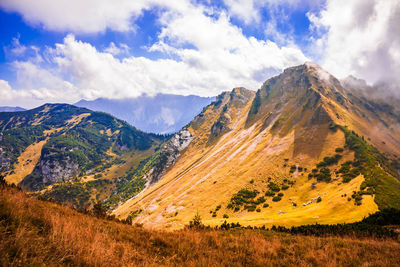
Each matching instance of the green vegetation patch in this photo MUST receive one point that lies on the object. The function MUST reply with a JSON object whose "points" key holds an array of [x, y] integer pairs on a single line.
{"points": [[246, 198], [379, 176]]}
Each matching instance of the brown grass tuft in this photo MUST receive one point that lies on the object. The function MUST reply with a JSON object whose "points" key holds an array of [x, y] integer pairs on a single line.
{"points": [[33, 232]]}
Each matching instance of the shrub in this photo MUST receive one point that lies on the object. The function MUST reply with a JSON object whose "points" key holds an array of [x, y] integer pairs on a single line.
{"points": [[250, 207], [280, 195], [319, 199], [266, 205], [258, 209], [339, 150], [274, 187], [324, 175], [269, 194], [285, 187], [196, 222], [225, 216], [292, 168], [276, 198], [99, 210], [244, 196], [260, 200]]}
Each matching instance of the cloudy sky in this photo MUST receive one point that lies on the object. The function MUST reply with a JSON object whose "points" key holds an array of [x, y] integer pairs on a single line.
{"points": [[67, 50]]}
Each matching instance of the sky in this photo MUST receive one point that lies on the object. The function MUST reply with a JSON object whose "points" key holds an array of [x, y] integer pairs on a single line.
{"points": [[67, 50]]}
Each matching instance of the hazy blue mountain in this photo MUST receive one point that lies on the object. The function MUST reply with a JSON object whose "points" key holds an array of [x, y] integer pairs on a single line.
{"points": [[163, 113], [11, 109]]}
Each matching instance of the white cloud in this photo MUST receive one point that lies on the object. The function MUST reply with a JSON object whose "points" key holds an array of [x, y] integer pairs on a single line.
{"points": [[121, 49], [245, 10], [360, 37], [204, 55], [248, 11], [88, 16]]}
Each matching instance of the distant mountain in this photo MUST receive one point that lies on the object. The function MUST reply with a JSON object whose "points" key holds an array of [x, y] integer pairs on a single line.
{"points": [[163, 113], [11, 109]]}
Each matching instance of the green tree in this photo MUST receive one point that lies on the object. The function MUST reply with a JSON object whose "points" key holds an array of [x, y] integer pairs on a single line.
{"points": [[99, 210], [196, 222]]}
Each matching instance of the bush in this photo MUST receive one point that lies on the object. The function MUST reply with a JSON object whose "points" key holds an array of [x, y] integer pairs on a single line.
{"points": [[266, 205], [280, 195], [225, 216], [319, 199], [276, 199], [339, 150], [243, 197], [251, 207], [274, 187], [285, 187], [258, 210], [324, 175], [260, 200], [269, 194], [99, 211], [196, 222]]}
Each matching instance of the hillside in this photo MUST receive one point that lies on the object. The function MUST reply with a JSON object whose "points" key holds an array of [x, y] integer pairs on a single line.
{"points": [[162, 113], [33, 232], [71, 154], [303, 149]]}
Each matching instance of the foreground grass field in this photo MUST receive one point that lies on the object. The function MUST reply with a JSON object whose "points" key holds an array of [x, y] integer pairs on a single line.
{"points": [[34, 232]]}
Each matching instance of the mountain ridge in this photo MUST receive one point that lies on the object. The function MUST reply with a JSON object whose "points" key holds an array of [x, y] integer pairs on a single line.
{"points": [[68, 153], [162, 113], [290, 127]]}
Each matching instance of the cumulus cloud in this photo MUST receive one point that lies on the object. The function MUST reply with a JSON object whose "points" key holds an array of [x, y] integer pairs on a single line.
{"points": [[362, 39], [115, 50], [89, 16], [248, 11], [203, 55]]}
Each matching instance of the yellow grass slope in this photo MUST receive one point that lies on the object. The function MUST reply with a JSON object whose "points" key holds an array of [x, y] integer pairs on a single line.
{"points": [[26, 163], [290, 128], [247, 157]]}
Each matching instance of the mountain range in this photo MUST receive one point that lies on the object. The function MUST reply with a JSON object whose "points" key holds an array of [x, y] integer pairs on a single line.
{"points": [[11, 109], [162, 113], [305, 148]]}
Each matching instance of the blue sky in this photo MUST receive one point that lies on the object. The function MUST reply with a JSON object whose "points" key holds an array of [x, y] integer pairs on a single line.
{"points": [[63, 51]]}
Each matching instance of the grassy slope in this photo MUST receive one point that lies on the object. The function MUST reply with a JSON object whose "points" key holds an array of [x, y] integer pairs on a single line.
{"points": [[26, 162], [34, 232], [103, 146], [208, 176]]}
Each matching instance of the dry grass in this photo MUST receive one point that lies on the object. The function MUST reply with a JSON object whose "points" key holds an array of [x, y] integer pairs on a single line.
{"points": [[207, 176], [26, 162], [34, 232]]}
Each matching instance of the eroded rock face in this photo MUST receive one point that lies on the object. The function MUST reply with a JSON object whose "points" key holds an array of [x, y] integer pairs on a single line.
{"points": [[181, 140], [169, 153], [4, 160], [55, 171], [4, 163]]}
